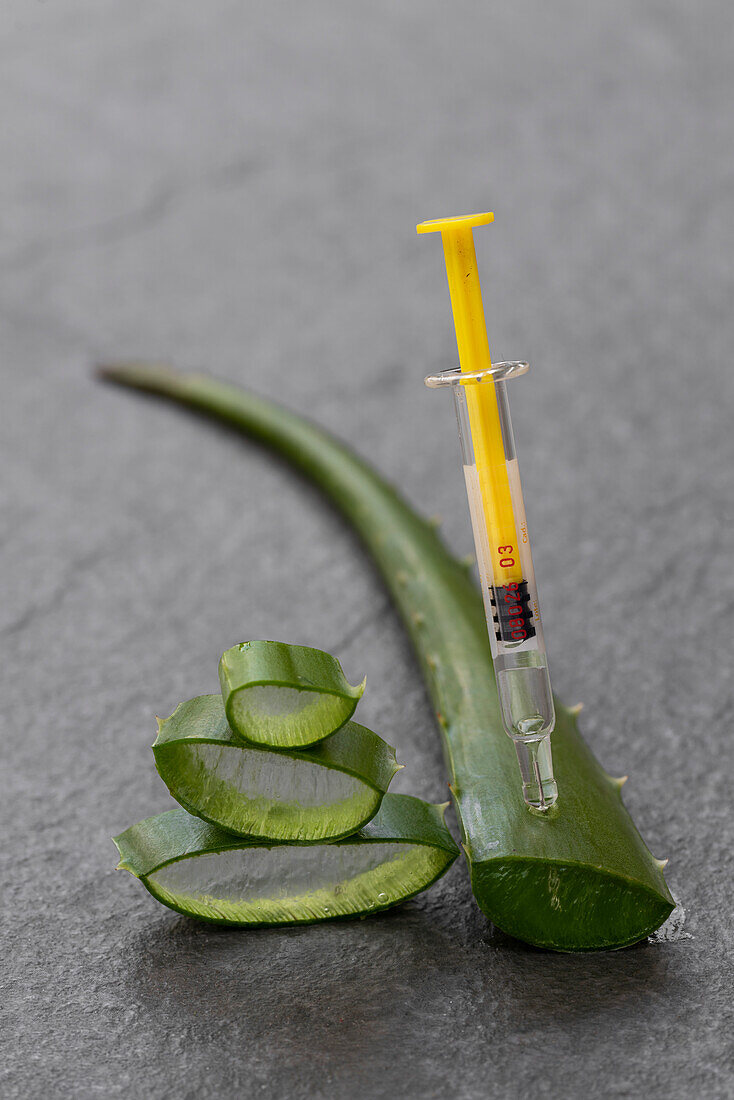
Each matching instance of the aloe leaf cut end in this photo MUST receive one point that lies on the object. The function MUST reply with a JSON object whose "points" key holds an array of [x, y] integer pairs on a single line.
{"points": [[304, 796], [566, 906], [578, 879], [285, 696], [202, 871]]}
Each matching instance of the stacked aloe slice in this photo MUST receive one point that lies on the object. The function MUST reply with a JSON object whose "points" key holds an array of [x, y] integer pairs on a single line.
{"points": [[284, 814]]}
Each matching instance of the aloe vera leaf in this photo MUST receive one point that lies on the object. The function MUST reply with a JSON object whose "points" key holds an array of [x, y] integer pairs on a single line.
{"points": [[285, 695], [578, 878], [305, 795], [200, 870]]}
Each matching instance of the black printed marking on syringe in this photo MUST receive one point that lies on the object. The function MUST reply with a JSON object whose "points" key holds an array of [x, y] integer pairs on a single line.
{"points": [[511, 612]]}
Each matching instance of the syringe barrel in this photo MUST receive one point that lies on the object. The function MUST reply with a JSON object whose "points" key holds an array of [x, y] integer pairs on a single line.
{"points": [[498, 515], [505, 563]]}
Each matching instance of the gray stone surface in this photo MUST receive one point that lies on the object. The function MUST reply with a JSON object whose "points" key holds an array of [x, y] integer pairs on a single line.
{"points": [[235, 186]]}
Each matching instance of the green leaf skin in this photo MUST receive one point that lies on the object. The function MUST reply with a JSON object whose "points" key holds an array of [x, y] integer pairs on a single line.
{"points": [[303, 796], [284, 696], [578, 878], [204, 872]]}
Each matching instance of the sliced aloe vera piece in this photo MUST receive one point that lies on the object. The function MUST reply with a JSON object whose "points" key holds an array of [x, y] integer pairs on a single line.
{"points": [[319, 793], [200, 870], [285, 696]]}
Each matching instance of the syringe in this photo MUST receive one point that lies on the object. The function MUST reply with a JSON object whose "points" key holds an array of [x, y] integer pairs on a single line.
{"points": [[498, 516]]}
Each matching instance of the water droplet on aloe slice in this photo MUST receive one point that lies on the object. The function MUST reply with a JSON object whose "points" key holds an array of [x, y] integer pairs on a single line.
{"points": [[316, 793], [202, 871], [284, 696]]}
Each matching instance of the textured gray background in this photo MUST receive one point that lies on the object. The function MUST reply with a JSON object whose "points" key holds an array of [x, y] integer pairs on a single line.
{"points": [[235, 187]]}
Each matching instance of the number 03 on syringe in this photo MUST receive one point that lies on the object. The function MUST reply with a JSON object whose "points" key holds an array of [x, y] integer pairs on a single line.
{"points": [[498, 517]]}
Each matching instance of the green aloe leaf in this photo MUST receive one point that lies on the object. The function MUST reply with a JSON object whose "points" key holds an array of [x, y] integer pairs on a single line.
{"points": [[304, 795], [578, 878], [285, 696], [205, 872]]}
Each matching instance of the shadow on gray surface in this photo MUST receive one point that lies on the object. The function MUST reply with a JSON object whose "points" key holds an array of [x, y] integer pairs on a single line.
{"points": [[189, 966]]}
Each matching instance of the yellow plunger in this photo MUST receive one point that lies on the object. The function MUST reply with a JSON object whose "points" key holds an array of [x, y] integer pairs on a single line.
{"points": [[471, 338]]}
